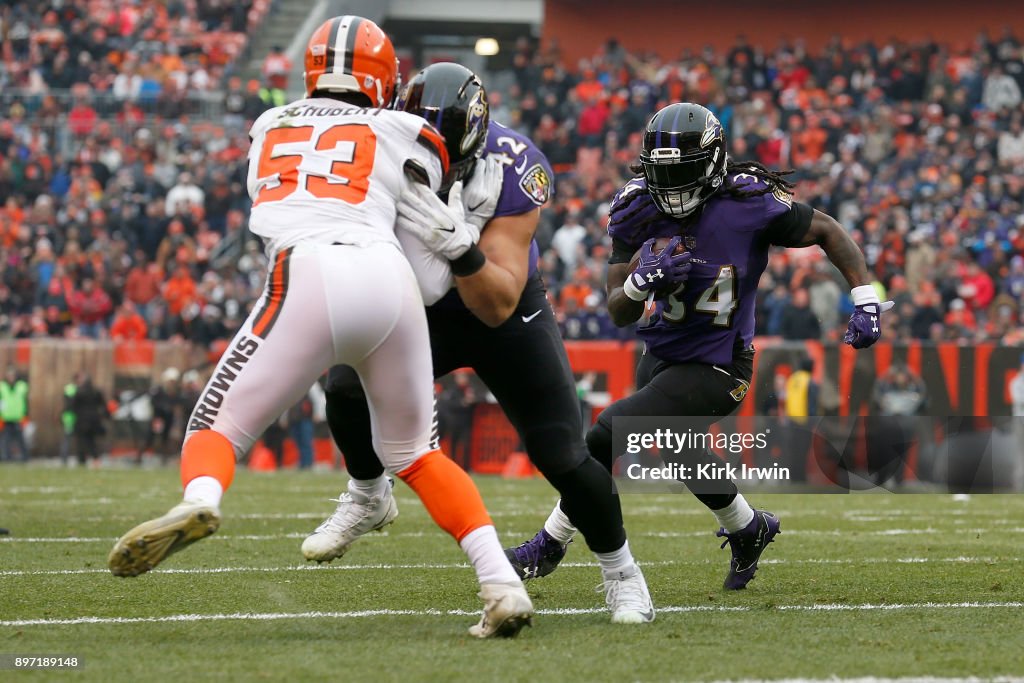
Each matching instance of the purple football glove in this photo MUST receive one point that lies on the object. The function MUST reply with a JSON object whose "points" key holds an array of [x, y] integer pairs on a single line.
{"points": [[657, 272], [865, 326]]}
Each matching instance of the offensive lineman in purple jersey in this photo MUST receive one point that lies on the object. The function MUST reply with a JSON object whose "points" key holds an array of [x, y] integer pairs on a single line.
{"points": [[698, 356], [497, 321]]}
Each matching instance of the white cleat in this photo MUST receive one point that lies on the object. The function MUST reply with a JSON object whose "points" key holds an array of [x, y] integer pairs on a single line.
{"points": [[627, 597], [356, 514], [148, 544], [507, 609]]}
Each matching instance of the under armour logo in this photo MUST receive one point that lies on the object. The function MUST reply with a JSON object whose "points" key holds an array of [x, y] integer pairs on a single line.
{"points": [[874, 323], [655, 275]]}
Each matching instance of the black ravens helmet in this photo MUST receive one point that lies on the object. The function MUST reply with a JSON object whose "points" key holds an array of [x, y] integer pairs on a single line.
{"points": [[683, 157], [452, 99]]}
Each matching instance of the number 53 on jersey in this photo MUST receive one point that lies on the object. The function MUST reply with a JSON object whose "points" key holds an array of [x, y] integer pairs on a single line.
{"points": [[336, 164]]}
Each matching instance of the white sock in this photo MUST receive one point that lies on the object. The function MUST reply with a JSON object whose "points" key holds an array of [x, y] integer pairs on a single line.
{"points": [[369, 487], [487, 556], [205, 490], [736, 515], [558, 525], [616, 561]]}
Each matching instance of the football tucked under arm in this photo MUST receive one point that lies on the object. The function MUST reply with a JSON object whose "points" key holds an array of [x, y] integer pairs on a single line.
{"points": [[659, 246], [654, 268]]}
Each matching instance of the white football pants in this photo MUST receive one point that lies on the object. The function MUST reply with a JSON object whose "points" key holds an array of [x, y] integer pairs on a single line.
{"points": [[324, 305]]}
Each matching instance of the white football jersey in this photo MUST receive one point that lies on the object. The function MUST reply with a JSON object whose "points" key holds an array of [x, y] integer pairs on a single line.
{"points": [[324, 171]]}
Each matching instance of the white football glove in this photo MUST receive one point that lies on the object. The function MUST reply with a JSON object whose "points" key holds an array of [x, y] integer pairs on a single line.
{"points": [[442, 228], [481, 191]]}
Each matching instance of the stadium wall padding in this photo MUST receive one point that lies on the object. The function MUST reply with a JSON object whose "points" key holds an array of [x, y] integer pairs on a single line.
{"points": [[960, 380], [670, 27], [117, 368]]}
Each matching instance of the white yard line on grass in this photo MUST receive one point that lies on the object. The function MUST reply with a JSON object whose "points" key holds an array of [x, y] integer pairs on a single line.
{"points": [[294, 568], [571, 565], [425, 534], [249, 616], [875, 679], [847, 532]]}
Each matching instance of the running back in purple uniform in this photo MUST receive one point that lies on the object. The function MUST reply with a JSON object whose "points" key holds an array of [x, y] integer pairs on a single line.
{"points": [[528, 183], [710, 318], [699, 364]]}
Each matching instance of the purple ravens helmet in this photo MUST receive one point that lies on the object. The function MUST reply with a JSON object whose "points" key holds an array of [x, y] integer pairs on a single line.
{"points": [[453, 100], [683, 157]]}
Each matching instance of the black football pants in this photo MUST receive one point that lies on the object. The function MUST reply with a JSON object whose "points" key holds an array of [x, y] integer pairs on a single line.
{"points": [[696, 390], [524, 364]]}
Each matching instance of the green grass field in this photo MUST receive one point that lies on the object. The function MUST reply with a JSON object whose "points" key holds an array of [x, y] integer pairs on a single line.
{"points": [[864, 585]]}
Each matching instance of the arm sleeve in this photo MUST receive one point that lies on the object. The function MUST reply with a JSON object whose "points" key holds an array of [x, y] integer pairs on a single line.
{"points": [[789, 228], [428, 158], [621, 252]]}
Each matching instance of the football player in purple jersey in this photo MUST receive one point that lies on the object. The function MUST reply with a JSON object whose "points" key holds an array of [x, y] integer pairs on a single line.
{"points": [[497, 321], [698, 355]]}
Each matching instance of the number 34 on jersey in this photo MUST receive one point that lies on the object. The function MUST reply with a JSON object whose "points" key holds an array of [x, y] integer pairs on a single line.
{"points": [[718, 301]]}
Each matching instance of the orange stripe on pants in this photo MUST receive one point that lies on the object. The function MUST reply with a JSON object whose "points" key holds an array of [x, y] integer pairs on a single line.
{"points": [[275, 296]]}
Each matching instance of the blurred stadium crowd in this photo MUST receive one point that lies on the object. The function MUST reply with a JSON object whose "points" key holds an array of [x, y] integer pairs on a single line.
{"points": [[122, 169]]}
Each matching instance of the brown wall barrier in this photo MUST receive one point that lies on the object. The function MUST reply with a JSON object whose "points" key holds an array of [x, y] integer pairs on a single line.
{"points": [[49, 364], [970, 380], [582, 26]]}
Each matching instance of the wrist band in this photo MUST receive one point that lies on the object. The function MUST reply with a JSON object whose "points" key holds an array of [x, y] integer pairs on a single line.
{"points": [[469, 263], [631, 290], [863, 295]]}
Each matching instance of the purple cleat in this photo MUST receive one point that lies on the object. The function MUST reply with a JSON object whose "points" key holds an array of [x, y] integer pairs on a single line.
{"points": [[747, 546], [537, 557]]}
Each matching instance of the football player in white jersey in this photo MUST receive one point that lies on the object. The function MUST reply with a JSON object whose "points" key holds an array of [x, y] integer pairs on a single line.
{"points": [[326, 174]]}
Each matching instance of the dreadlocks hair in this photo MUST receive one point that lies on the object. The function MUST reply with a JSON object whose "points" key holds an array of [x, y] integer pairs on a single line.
{"points": [[773, 179]]}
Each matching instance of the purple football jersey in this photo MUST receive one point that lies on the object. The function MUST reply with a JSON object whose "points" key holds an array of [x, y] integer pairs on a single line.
{"points": [[711, 316], [528, 183]]}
